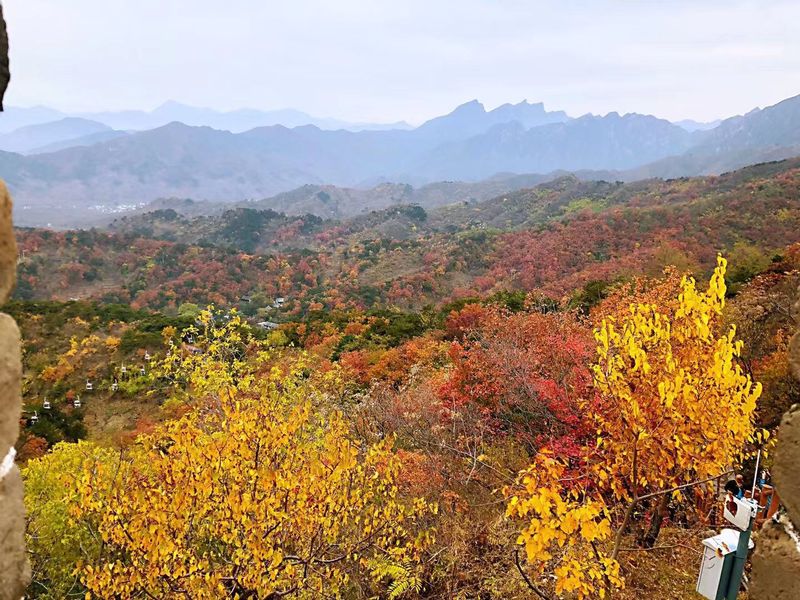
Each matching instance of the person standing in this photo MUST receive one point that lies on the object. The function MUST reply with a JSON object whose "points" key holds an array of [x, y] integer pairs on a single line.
{"points": [[735, 487]]}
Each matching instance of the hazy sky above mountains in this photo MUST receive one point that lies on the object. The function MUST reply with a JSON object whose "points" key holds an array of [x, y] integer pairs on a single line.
{"points": [[377, 60]]}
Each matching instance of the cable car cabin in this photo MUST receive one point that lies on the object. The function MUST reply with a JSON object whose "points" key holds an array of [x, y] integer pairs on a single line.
{"points": [[88, 386], [147, 356], [114, 386], [124, 369], [142, 371], [76, 403], [34, 418], [46, 404]]}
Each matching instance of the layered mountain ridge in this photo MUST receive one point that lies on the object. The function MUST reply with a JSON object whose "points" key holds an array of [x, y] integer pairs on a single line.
{"points": [[116, 171]]}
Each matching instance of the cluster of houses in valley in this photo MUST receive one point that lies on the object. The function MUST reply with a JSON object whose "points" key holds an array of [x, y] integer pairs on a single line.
{"points": [[271, 325]]}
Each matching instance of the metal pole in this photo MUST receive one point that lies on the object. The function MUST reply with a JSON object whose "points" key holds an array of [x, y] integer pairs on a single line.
{"points": [[735, 581], [755, 477], [742, 548]]}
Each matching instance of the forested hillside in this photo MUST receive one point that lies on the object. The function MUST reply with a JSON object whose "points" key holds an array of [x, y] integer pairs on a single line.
{"points": [[451, 404], [320, 327], [554, 238], [408, 403]]}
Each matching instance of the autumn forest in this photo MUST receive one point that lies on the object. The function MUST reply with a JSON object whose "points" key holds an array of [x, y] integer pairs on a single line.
{"points": [[530, 396]]}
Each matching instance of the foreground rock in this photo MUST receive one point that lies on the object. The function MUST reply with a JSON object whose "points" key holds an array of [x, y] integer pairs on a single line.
{"points": [[776, 562]]}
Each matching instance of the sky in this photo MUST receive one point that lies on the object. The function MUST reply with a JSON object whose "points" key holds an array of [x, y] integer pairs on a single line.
{"points": [[384, 61]]}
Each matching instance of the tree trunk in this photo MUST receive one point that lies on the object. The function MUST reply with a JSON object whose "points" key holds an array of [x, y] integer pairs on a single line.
{"points": [[659, 512], [623, 528]]}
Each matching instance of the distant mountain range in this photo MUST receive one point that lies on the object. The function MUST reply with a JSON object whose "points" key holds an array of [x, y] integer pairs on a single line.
{"points": [[106, 169], [56, 135], [235, 121], [609, 142]]}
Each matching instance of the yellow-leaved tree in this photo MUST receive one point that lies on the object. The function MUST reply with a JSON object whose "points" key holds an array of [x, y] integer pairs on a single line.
{"points": [[565, 526], [60, 535], [673, 409], [259, 490]]}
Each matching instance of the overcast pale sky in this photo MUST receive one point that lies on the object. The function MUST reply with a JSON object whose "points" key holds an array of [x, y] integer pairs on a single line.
{"points": [[377, 60]]}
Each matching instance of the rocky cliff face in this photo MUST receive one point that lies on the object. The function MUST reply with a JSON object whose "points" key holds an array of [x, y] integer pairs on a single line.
{"points": [[5, 73], [14, 571], [13, 563], [776, 562]]}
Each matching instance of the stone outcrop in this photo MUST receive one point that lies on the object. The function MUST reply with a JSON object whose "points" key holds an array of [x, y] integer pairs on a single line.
{"points": [[787, 463], [5, 73], [13, 561], [794, 351], [14, 570], [8, 246], [776, 562]]}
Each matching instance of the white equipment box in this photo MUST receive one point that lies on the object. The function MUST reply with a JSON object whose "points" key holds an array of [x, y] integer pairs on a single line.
{"points": [[718, 554], [740, 512]]}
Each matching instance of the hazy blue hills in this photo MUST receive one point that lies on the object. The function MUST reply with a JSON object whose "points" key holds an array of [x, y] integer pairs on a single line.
{"points": [[138, 120], [89, 139], [472, 118], [88, 173], [776, 126], [36, 138], [466, 119], [608, 142], [692, 125]]}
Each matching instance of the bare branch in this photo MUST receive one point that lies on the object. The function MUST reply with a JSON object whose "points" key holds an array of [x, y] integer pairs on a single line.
{"points": [[535, 589]]}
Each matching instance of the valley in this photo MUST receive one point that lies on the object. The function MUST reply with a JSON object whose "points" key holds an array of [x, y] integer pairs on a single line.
{"points": [[316, 328]]}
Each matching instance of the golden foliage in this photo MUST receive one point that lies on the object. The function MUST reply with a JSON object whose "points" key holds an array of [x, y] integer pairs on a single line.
{"points": [[673, 407], [563, 527], [256, 490], [60, 531], [675, 404]]}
